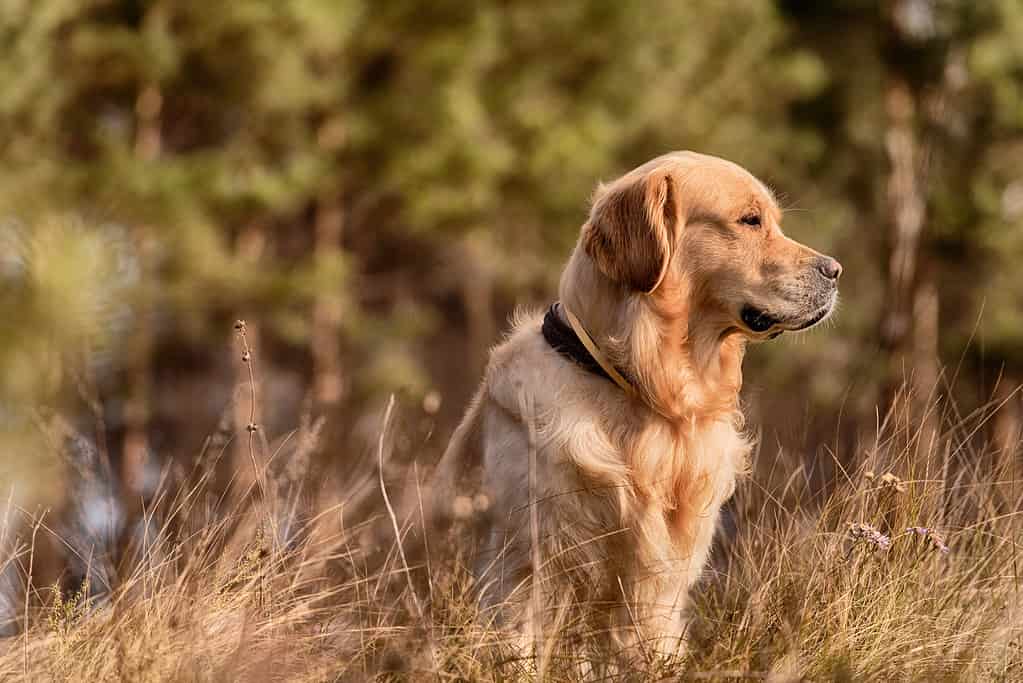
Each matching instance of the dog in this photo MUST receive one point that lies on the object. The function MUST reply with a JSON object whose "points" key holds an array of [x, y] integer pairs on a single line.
{"points": [[607, 433]]}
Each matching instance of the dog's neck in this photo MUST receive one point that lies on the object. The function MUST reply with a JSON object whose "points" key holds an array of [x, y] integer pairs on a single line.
{"points": [[567, 335], [684, 362], [691, 372]]}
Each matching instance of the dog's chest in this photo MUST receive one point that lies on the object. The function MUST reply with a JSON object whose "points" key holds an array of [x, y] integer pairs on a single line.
{"points": [[694, 466], [691, 467]]}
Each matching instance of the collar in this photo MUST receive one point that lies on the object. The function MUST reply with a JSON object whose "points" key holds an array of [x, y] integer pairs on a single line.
{"points": [[575, 343]]}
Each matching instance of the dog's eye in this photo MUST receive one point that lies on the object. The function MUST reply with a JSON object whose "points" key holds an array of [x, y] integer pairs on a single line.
{"points": [[750, 219]]}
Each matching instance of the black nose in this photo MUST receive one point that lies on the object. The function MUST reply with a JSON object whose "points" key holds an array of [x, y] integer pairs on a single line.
{"points": [[829, 267]]}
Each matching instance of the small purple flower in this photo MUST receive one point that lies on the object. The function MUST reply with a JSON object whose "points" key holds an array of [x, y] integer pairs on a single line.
{"points": [[935, 540], [870, 535]]}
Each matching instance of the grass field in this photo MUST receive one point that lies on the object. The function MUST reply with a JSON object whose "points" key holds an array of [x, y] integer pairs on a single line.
{"points": [[905, 567]]}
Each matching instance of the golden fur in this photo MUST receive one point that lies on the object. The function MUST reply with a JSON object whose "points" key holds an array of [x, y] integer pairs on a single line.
{"points": [[628, 490]]}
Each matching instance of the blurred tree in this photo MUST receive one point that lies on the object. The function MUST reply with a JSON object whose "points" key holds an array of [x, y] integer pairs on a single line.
{"points": [[471, 133], [146, 120], [927, 77], [486, 126], [347, 176], [909, 322]]}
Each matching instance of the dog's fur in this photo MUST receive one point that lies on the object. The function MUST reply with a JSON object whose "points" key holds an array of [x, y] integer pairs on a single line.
{"points": [[628, 489]]}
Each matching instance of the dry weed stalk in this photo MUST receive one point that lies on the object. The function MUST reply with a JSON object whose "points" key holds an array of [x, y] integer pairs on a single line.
{"points": [[251, 427]]}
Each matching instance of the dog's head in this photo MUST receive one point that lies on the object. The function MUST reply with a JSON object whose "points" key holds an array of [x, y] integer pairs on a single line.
{"points": [[703, 237]]}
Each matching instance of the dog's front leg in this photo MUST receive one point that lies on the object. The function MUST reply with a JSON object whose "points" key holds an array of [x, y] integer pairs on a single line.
{"points": [[648, 621], [502, 563]]}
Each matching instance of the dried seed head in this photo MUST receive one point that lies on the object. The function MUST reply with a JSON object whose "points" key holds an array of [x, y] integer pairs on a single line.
{"points": [[252, 427], [480, 502], [890, 481], [461, 507], [239, 325], [431, 402], [246, 356], [935, 541]]}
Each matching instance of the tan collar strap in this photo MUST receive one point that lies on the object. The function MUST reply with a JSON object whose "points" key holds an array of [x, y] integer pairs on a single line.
{"points": [[596, 353]]}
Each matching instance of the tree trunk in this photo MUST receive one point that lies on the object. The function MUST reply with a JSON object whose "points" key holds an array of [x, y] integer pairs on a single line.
{"points": [[905, 210], [1008, 435], [909, 324], [477, 297], [325, 343], [135, 447]]}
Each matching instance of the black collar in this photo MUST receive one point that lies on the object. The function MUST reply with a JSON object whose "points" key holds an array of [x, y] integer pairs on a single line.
{"points": [[563, 339]]}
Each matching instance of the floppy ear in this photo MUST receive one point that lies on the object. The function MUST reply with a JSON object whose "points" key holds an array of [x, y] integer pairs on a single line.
{"points": [[631, 230]]}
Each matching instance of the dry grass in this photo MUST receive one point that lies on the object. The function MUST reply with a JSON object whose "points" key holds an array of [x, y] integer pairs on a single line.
{"points": [[906, 567]]}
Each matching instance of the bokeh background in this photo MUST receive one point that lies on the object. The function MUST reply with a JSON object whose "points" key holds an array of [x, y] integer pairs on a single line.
{"points": [[375, 186]]}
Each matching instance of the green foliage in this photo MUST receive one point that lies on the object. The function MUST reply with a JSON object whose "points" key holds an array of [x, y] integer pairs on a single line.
{"points": [[462, 141]]}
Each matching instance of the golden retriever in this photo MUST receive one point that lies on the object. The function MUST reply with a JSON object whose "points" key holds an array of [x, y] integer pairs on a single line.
{"points": [[605, 469]]}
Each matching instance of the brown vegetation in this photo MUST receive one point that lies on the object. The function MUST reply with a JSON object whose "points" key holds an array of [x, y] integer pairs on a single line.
{"points": [[891, 571]]}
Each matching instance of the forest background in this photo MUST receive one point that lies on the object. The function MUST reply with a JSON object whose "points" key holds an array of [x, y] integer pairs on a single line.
{"points": [[374, 187]]}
